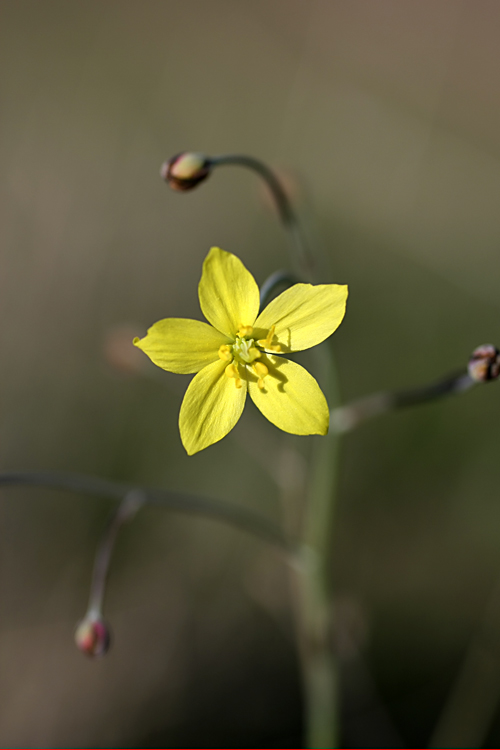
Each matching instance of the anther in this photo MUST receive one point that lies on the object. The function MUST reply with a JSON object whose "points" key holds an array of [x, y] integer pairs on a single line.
{"points": [[261, 371], [245, 331], [232, 372], [225, 353]]}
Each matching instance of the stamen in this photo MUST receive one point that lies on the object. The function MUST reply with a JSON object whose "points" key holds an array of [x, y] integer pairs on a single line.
{"points": [[232, 372], [267, 343], [254, 353], [261, 371], [245, 331], [225, 353]]}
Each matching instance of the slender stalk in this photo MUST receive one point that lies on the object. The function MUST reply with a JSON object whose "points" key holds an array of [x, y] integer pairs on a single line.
{"points": [[348, 417], [300, 251], [313, 584], [320, 659], [243, 518], [127, 509]]}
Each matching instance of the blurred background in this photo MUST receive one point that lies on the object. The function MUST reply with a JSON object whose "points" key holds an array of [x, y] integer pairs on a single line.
{"points": [[385, 117]]}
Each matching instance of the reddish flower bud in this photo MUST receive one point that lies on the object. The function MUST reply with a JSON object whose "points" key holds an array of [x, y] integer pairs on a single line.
{"points": [[484, 363], [92, 635], [185, 171]]}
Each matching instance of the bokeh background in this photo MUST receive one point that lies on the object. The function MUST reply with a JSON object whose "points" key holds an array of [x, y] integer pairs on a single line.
{"points": [[385, 117]]}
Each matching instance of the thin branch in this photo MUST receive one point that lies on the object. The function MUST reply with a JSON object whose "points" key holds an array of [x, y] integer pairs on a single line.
{"points": [[126, 511], [301, 251], [243, 518], [347, 418]]}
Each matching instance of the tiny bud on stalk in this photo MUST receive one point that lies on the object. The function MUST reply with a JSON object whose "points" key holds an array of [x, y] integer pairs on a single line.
{"points": [[484, 363], [185, 171], [92, 636]]}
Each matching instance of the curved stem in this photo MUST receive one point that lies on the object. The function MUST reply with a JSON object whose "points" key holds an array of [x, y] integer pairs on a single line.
{"points": [[274, 281], [127, 509], [243, 518], [300, 250]]}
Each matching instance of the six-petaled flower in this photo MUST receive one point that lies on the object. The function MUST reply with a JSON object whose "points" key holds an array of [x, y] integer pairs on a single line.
{"points": [[242, 351]]}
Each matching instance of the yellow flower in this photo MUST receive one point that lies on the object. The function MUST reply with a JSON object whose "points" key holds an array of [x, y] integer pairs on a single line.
{"points": [[242, 351]]}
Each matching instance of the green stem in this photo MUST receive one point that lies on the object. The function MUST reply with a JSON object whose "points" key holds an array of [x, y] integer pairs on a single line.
{"points": [[300, 252], [348, 417], [241, 517], [126, 511], [319, 659], [312, 582]]}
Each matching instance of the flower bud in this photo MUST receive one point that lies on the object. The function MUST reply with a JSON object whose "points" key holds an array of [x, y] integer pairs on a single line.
{"points": [[92, 635], [484, 363], [186, 170]]}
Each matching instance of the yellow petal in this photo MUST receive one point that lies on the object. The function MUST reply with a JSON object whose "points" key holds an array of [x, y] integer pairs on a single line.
{"points": [[304, 315], [229, 295], [291, 398], [182, 345], [211, 407]]}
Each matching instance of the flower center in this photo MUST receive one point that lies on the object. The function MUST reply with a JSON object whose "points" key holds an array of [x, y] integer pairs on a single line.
{"points": [[244, 350], [243, 353]]}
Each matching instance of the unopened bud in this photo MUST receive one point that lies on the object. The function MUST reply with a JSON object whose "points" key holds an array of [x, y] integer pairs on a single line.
{"points": [[484, 363], [185, 171], [92, 636]]}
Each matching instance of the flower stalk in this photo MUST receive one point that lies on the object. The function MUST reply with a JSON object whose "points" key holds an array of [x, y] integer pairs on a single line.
{"points": [[244, 519], [131, 503], [348, 417], [92, 635], [320, 665], [300, 251], [313, 589]]}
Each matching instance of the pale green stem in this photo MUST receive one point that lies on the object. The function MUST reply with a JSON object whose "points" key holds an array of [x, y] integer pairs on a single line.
{"points": [[299, 250], [320, 661], [348, 417], [313, 584], [126, 511], [243, 518]]}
